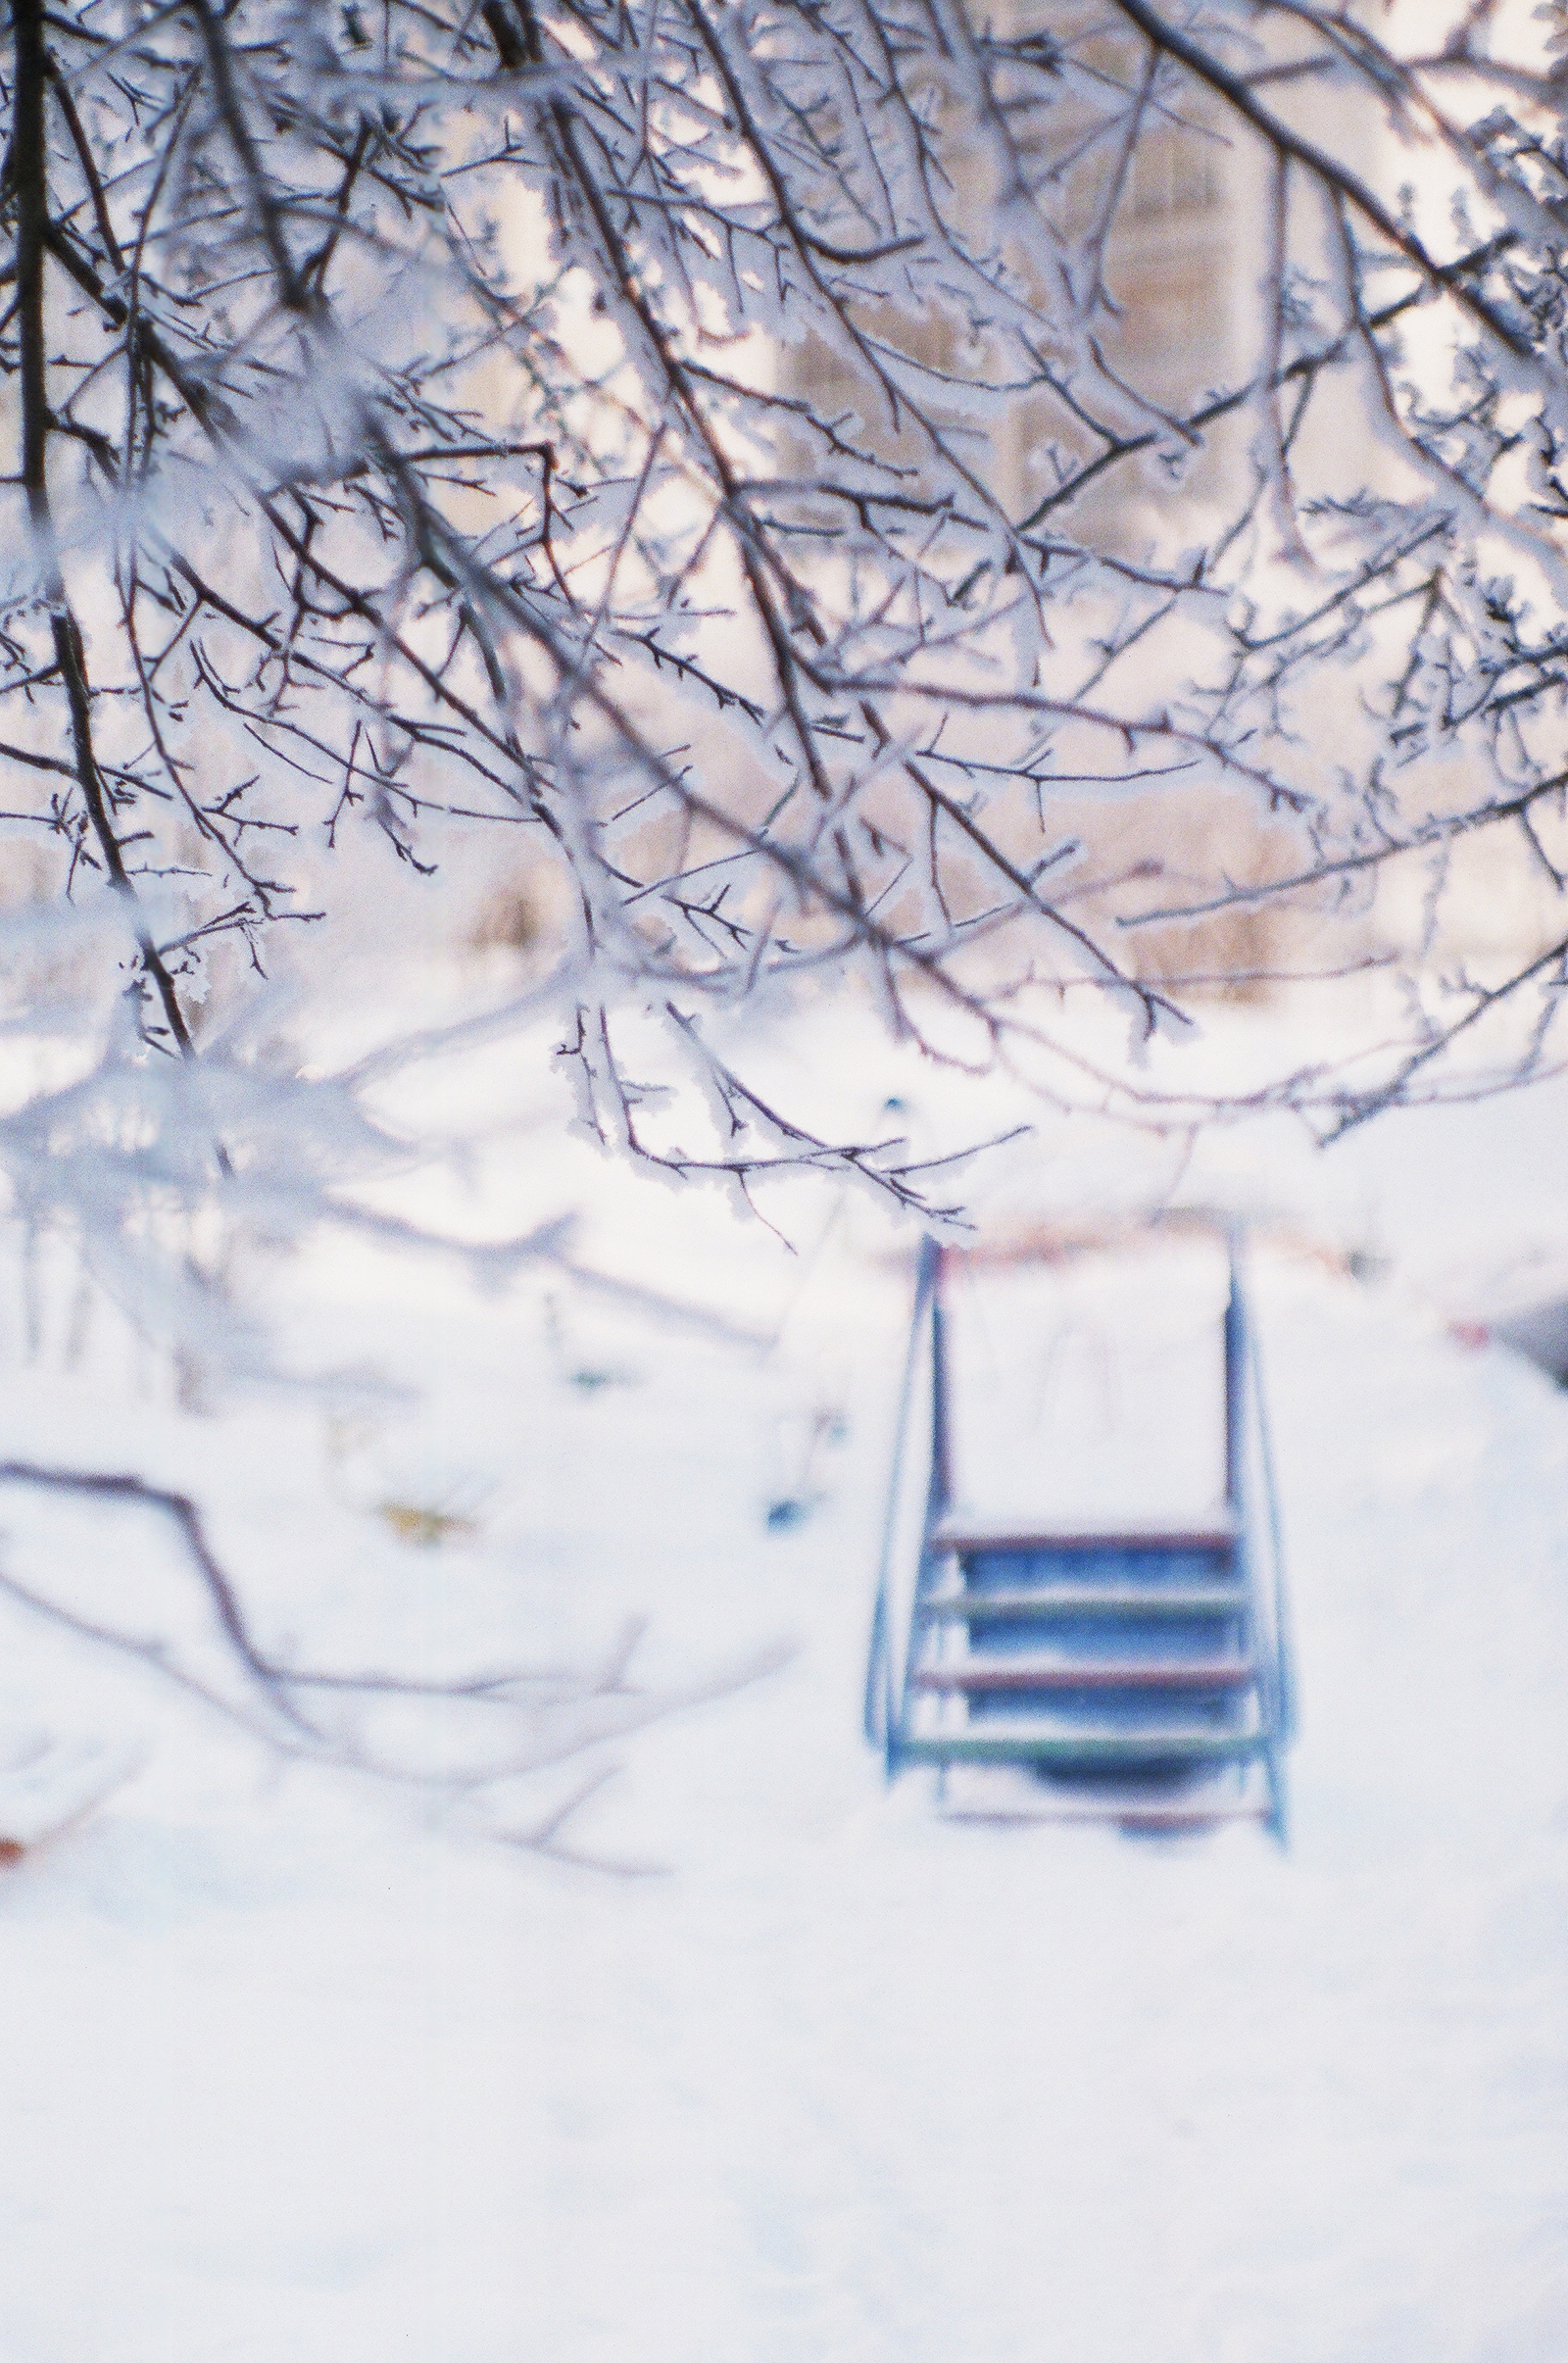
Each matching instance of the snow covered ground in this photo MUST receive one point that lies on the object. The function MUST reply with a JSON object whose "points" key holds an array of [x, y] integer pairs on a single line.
{"points": [[295, 2064]]}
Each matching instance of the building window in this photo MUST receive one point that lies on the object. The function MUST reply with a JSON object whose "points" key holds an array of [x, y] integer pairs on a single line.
{"points": [[1172, 173]]}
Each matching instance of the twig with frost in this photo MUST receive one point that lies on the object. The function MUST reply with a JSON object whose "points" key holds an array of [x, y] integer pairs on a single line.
{"points": [[551, 1715]]}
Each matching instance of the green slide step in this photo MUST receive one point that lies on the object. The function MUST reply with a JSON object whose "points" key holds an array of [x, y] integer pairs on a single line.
{"points": [[1083, 1751], [1087, 1600]]}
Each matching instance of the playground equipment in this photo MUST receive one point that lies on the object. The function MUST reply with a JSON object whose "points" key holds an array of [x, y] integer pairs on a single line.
{"points": [[1130, 1669]]}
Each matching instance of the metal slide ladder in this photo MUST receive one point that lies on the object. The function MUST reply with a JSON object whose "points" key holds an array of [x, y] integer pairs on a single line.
{"points": [[1140, 1675]]}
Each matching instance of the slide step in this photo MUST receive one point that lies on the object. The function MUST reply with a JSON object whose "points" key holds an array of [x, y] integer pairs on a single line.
{"points": [[1128, 1815], [1084, 1750], [1087, 1600], [1016, 1796], [951, 1536], [1107, 1674]]}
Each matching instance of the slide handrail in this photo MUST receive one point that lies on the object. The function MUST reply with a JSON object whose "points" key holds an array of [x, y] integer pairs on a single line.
{"points": [[1249, 1448], [883, 1708]]}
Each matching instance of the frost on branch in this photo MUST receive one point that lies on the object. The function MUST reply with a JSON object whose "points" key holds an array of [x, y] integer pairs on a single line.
{"points": [[761, 472]]}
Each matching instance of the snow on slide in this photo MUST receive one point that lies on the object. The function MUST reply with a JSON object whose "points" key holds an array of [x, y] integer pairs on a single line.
{"points": [[1089, 1390]]}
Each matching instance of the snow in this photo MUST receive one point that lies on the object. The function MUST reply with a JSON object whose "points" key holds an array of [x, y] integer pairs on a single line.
{"points": [[1089, 1393], [300, 2062]]}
